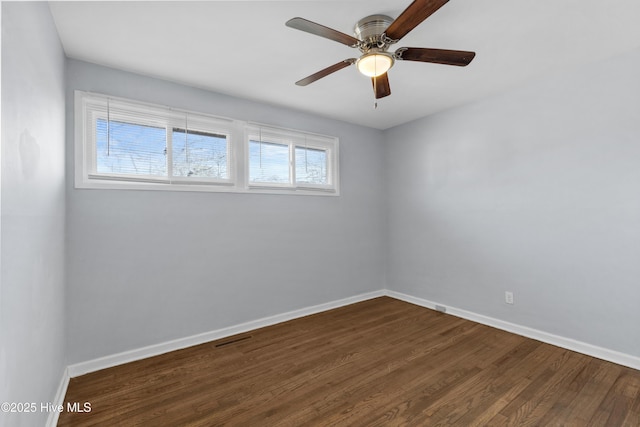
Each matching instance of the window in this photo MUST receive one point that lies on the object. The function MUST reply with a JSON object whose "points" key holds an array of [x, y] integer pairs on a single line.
{"points": [[284, 159], [126, 144], [136, 143]]}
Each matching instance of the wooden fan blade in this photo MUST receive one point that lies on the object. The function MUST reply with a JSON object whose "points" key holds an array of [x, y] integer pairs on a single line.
{"points": [[324, 73], [412, 16], [322, 31], [381, 86], [460, 58]]}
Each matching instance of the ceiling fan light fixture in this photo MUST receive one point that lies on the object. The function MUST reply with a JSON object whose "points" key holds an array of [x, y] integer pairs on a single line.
{"points": [[374, 64]]}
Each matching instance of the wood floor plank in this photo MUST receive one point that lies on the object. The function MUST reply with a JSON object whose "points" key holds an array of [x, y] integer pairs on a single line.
{"points": [[388, 385], [381, 362], [583, 395], [358, 373], [452, 368], [621, 400], [500, 376]]}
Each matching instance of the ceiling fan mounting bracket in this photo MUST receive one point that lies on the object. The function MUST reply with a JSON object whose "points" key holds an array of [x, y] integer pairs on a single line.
{"points": [[398, 53]]}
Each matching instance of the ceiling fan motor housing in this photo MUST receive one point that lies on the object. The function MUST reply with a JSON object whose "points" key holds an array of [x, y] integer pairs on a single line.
{"points": [[370, 31]]}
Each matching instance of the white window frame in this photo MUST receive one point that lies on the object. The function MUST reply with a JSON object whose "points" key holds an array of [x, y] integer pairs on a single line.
{"points": [[90, 106]]}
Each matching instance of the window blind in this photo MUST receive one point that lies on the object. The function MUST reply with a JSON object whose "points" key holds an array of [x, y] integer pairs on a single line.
{"points": [[139, 142], [296, 159]]}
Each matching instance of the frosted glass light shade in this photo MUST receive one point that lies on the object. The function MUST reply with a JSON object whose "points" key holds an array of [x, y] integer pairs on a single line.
{"points": [[374, 64]]}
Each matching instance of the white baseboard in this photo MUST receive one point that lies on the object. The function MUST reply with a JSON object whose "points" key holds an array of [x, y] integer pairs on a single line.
{"points": [[52, 420], [178, 344], [82, 368], [568, 343]]}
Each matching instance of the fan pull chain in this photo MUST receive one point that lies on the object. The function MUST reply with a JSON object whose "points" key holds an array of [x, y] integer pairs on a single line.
{"points": [[375, 92], [375, 85]]}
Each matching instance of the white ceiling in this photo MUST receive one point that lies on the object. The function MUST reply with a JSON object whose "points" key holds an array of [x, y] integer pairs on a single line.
{"points": [[243, 48]]}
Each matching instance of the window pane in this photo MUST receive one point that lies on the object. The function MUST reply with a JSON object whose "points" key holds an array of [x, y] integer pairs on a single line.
{"points": [[311, 166], [199, 154], [268, 162], [132, 149]]}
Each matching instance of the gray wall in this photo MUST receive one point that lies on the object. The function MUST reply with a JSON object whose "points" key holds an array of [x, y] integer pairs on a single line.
{"points": [[150, 266], [536, 191], [32, 287]]}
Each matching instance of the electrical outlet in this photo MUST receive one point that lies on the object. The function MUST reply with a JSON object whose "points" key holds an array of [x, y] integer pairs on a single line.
{"points": [[508, 297]]}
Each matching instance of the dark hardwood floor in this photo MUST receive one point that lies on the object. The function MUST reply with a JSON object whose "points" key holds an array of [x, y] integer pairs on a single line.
{"points": [[382, 362]]}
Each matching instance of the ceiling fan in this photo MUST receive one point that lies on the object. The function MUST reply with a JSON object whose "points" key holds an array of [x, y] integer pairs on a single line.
{"points": [[374, 36]]}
